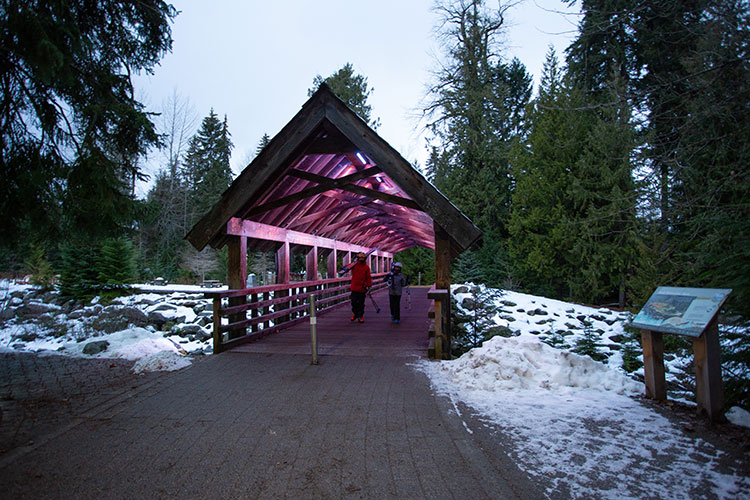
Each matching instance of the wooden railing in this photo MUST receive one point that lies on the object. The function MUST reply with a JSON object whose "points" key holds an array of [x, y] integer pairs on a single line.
{"points": [[267, 309]]}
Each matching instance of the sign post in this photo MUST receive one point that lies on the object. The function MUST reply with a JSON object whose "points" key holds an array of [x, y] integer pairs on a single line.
{"points": [[692, 312]]}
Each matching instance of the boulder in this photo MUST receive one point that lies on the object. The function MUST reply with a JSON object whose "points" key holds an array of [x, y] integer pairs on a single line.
{"points": [[502, 331], [115, 318], [35, 309], [469, 304], [186, 330], [158, 319], [199, 308], [461, 289], [95, 347], [537, 312], [508, 303]]}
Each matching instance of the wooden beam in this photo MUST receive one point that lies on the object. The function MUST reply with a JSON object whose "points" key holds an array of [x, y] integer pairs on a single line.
{"points": [[311, 264], [237, 276], [252, 229], [307, 193], [653, 365], [708, 386], [379, 195], [442, 259], [331, 263]]}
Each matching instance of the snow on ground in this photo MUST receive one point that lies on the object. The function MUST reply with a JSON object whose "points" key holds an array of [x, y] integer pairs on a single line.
{"points": [[576, 423], [68, 333]]}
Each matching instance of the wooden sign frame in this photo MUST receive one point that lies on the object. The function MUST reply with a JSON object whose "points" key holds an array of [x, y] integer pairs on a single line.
{"points": [[706, 348]]}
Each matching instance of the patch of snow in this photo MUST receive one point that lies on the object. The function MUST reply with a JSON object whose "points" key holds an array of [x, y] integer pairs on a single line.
{"points": [[161, 361], [738, 416], [574, 426]]}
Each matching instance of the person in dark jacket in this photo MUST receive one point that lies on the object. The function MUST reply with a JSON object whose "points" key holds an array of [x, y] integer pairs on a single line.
{"points": [[396, 283], [361, 282]]}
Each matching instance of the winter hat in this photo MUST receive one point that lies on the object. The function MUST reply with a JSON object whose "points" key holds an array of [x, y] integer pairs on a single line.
{"points": [[397, 264]]}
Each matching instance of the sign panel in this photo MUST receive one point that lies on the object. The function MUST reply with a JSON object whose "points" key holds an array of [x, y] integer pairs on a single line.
{"points": [[684, 311]]}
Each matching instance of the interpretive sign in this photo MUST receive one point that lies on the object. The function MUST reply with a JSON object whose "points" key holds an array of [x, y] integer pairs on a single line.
{"points": [[684, 311]]}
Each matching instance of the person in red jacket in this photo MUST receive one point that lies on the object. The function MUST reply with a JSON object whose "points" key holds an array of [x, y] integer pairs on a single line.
{"points": [[361, 282]]}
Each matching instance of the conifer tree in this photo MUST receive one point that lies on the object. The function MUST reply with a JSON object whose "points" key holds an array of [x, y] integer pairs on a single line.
{"points": [[71, 130], [352, 89], [206, 169]]}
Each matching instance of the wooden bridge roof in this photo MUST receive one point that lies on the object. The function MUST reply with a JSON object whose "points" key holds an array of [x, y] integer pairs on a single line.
{"points": [[330, 175]]}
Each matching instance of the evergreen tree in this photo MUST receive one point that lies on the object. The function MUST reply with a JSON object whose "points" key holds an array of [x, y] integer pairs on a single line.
{"points": [[116, 263], [350, 88], [262, 144], [477, 108], [206, 168], [71, 130]]}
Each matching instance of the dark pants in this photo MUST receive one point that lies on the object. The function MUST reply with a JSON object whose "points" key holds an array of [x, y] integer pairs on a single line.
{"points": [[395, 306], [358, 304]]}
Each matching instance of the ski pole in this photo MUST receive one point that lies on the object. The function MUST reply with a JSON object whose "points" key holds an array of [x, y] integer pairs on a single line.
{"points": [[377, 309]]}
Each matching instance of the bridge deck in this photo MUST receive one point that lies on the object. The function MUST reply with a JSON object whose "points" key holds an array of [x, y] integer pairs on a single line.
{"points": [[377, 336]]}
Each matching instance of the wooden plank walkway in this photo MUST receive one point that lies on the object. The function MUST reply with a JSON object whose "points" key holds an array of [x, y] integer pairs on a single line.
{"points": [[376, 337]]}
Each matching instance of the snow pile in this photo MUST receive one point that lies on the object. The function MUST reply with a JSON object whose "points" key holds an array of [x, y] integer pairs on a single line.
{"points": [[524, 362], [572, 424], [150, 349], [161, 361], [738, 416]]}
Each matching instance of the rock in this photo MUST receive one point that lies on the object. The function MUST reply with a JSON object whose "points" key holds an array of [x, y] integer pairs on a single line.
{"points": [[199, 308], [461, 289], [164, 307], [188, 303], [542, 322], [502, 331], [15, 302], [616, 338], [18, 294], [581, 317], [508, 303], [7, 313], [205, 320], [159, 319], [597, 317], [572, 327], [570, 311], [115, 318], [95, 347], [610, 322], [537, 312], [509, 319], [469, 303], [521, 310], [35, 309], [186, 330], [149, 301], [26, 336]]}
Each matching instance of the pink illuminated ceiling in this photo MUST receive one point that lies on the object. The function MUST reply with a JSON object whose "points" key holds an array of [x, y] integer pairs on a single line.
{"points": [[371, 211]]}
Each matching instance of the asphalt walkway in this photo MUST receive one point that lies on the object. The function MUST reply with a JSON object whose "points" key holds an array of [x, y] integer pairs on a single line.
{"points": [[255, 425]]}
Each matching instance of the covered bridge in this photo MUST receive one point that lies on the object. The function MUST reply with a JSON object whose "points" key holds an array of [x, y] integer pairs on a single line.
{"points": [[329, 186]]}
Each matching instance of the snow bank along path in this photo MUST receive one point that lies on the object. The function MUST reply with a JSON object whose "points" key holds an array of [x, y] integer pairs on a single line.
{"points": [[575, 426]]}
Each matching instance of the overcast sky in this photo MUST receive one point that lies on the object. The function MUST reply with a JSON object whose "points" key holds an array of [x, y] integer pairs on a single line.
{"points": [[254, 61]]}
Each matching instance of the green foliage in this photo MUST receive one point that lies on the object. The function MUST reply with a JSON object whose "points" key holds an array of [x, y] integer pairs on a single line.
{"points": [[587, 346], [417, 260], [473, 323], [352, 89], [87, 270], [39, 267], [206, 170], [71, 130], [79, 278], [735, 357], [631, 350], [116, 265]]}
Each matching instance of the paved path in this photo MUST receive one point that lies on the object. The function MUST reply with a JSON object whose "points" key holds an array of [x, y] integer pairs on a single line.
{"points": [[267, 425]]}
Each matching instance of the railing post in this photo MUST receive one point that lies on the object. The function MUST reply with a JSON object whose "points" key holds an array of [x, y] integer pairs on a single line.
{"points": [[313, 331], [217, 325]]}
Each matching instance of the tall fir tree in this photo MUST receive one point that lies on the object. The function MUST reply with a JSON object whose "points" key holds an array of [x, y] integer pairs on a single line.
{"points": [[206, 169], [477, 107], [351, 88], [71, 129]]}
